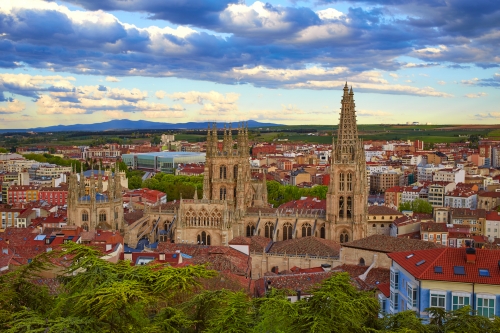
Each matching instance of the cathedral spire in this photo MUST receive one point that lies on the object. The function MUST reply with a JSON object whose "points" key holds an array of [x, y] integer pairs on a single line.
{"points": [[347, 135]]}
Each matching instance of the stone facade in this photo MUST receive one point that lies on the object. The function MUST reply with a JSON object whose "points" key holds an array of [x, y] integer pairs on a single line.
{"points": [[96, 209], [234, 205]]}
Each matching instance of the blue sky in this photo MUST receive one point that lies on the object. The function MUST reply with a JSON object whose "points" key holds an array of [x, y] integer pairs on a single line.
{"points": [[87, 61]]}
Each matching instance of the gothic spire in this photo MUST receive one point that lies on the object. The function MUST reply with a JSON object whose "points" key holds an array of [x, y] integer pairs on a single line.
{"points": [[347, 135]]}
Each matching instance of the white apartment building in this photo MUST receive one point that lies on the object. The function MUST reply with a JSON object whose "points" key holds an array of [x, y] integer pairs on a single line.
{"points": [[449, 175], [426, 172], [461, 199], [372, 169]]}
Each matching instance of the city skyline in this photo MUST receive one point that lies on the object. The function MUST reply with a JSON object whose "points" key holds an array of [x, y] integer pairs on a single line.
{"points": [[80, 61]]}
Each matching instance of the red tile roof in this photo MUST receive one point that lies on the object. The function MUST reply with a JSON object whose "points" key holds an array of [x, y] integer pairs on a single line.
{"points": [[388, 244], [433, 227], [385, 288], [383, 210], [448, 258], [307, 245]]}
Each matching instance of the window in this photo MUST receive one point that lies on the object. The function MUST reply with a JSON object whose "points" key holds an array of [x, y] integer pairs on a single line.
{"points": [[460, 300], [349, 182], [268, 230], [486, 306], [438, 300], [222, 193], [394, 280], [287, 231], [85, 216], [344, 237], [426, 236], [459, 270], [102, 217], [222, 172], [394, 301], [322, 232], [382, 302], [235, 171], [250, 230], [484, 272], [412, 295], [306, 230], [341, 182]]}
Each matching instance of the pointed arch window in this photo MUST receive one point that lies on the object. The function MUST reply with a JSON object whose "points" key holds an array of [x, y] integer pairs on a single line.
{"points": [[349, 208], [102, 216], [287, 231], [203, 238], [322, 232], [341, 207], [349, 182], [250, 230], [85, 216], [344, 237], [268, 230], [222, 172], [222, 193], [306, 230], [341, 181], [235, 172]]}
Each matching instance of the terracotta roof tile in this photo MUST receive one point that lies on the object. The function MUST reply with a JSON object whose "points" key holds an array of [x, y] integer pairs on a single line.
{"points": [[447, 259], [383, 210], [388, 244], [307, 245]]}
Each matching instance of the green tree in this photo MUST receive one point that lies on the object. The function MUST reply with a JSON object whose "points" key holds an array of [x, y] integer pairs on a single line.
{"points": [[3, 150], [134, 182], [416, 206]]}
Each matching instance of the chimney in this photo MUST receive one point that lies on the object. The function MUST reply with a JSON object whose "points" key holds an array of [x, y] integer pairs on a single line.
{"points": [[127, 256], [162, 256], [180, 256], [470, 253]]}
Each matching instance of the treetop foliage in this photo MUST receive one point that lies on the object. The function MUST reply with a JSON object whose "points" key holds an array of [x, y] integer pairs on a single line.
{"points": [[98, 296]]}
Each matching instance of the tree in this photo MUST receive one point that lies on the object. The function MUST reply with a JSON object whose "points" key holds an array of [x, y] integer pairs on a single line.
{"points": [[134, 182], [416, 206], [3, 151]]}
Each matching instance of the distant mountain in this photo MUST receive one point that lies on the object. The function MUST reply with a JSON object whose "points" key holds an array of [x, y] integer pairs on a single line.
{"points": [[125, 124]]}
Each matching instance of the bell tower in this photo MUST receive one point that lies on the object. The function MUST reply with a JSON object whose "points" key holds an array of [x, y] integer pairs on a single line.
{"points": [[346, 204]]}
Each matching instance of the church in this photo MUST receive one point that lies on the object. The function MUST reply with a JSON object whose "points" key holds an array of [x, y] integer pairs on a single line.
{"points": [[233, 204]]}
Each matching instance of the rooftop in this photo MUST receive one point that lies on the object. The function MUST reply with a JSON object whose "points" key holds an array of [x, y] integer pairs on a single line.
{"points": [[452, 263], [313, 246], [388, 244]]}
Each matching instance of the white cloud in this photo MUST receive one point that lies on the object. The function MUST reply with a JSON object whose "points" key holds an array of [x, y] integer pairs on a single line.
{"points": [[15, 106], [329, 14], [441, 83], [128, 95], [394, 75], [489, 115], [112, 79], [213, 102], [160, 94], [163, 114], [476, 95]]}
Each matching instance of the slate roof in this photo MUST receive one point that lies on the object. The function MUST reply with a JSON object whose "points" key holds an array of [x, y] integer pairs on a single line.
{"points": [[447, 258], [388, 244], [313, 246]]}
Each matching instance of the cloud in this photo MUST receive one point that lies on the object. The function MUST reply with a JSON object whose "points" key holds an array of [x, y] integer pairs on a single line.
{"points": [[160, 94], [213, 102], [394, 75], [476, 95], [366, 113], [441, 83], [116, 114], [112, 79], [489, 115], [457, 66], [12, 106], [224, 40]]}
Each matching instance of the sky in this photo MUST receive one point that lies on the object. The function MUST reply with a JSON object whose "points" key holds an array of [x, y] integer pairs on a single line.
{"points": [[282, 61]]}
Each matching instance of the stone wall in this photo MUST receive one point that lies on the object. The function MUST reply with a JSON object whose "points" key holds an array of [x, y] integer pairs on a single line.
{"points": [[352, 256]]}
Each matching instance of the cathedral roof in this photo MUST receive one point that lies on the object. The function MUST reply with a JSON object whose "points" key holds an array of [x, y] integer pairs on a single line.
{"points": [[313, 246], [388, 244], [98, 197]]}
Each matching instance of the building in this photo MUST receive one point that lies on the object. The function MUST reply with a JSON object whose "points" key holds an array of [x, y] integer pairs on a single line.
{"points": [[449, 175], [475, 219], [54, 195], [380, 219], [166, 161], [379, 182], [17, 194], [492, 225], [437, 191], [461, 198], [234, 205], [346, 203], [446, 278], [434, 232], [95, 210]]}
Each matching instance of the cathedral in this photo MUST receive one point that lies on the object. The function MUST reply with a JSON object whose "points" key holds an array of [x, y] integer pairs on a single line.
{"points": [[233, 204], [92, 208]]}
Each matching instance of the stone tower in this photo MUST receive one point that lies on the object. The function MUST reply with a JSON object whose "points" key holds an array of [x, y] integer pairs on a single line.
{"points": [[346, 205], [227, 169]]}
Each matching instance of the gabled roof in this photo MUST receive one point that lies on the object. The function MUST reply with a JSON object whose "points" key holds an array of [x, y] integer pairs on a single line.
{"points": [[388, 244], [447, 258]]}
